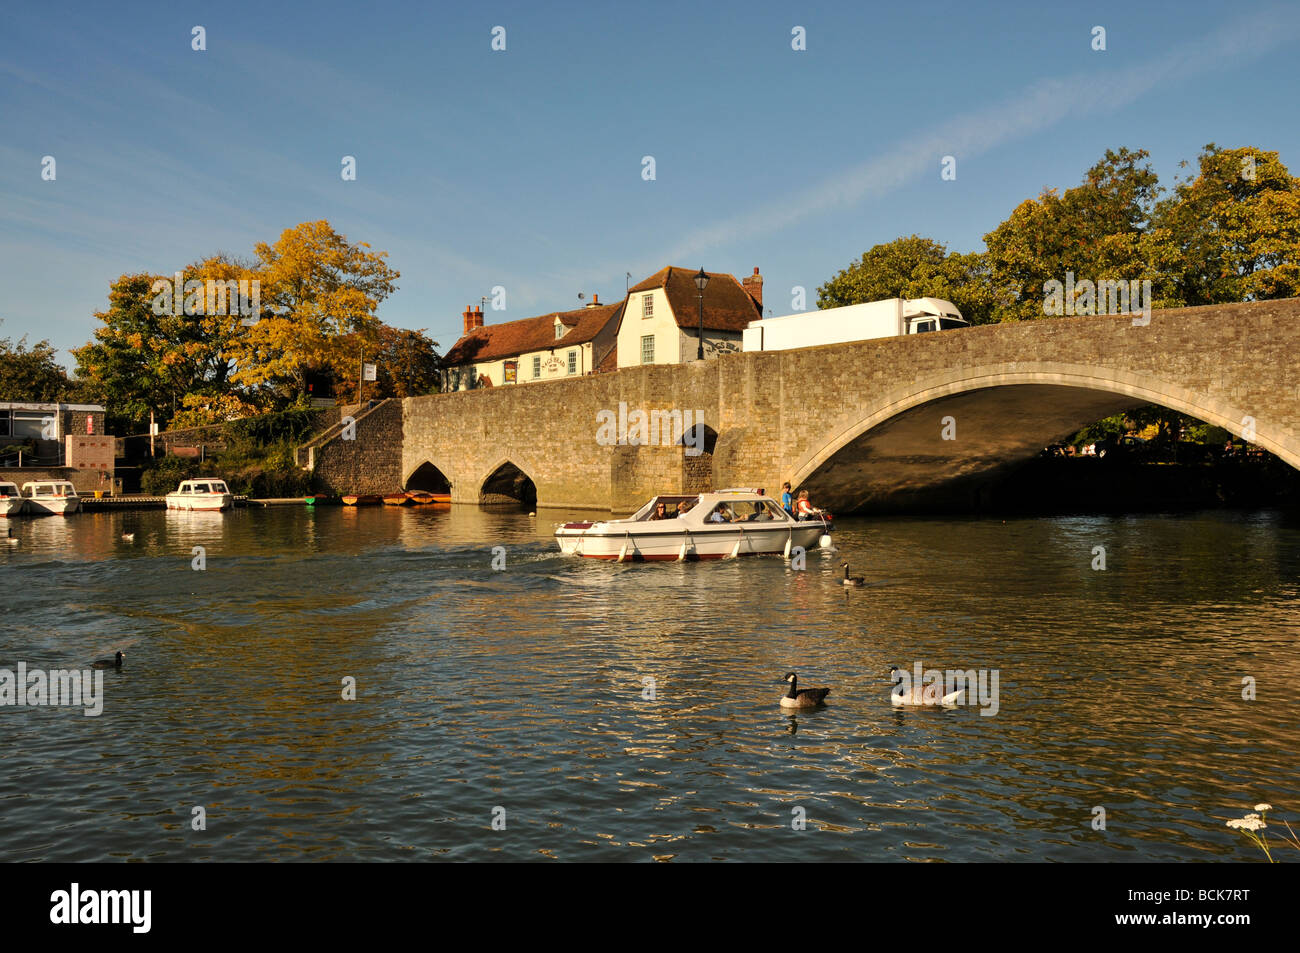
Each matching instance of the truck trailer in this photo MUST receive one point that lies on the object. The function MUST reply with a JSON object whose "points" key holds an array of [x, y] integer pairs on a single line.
{"points": [[891, 317]]}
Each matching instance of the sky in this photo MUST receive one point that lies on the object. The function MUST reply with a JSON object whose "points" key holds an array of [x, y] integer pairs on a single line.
{"points": [[524, 168]]}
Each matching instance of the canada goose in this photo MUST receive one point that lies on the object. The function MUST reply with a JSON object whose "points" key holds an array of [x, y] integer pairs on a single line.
{"points": [[856, 581], [802, 697], [11, 540], [129, 537], [114, 662], [919, 696]]}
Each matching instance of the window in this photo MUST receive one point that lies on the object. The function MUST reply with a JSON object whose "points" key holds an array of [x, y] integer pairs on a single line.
{"points": [[573, 362], [537, 365], [924, 326], [948, 324], [648, 306], [559, 330], [647, 349]]}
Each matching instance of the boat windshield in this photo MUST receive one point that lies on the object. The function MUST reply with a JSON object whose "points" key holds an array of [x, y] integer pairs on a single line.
{"points": [[219, 486], [673, 506]]}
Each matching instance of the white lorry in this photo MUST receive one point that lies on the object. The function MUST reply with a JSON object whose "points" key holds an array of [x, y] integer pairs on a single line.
{"points": [[855, 322]]}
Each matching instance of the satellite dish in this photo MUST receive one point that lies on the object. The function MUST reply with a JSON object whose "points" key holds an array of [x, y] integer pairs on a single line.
{"points": [[581, 296]]}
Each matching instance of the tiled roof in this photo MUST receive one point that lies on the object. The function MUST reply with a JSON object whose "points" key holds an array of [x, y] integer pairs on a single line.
{"points": [[727, 305], [493, 342]]}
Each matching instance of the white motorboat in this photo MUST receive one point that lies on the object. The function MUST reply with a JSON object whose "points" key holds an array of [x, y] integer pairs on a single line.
{"points": [[11, 499], [208, 495], [718, 525], [51, 498]]}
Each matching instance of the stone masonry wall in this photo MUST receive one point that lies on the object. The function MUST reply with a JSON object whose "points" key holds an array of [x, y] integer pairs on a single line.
{"points": [[785, 415], [372, 463]]}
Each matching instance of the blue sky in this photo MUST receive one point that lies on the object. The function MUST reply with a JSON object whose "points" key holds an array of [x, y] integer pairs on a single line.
{"points": [[523, 168]]}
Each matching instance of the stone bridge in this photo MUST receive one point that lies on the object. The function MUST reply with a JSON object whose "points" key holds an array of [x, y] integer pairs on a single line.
{"points": [[870, 425]]}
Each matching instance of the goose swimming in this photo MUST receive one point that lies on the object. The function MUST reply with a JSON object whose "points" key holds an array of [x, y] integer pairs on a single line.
{"points": [[922, 695], [802, 697], [856, 582]]}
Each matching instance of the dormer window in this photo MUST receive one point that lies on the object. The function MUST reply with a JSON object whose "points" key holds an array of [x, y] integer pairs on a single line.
{"points": [[559, 329]]}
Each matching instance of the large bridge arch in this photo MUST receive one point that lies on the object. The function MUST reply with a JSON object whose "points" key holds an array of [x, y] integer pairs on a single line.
{"points": [[996, 416], [429, 476], [507, 483]]}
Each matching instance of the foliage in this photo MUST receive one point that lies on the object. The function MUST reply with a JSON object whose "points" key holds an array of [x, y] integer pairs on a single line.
{"points": [[316, 289], [31, 373], [407, 362], [1232, 231], [914, 267]]}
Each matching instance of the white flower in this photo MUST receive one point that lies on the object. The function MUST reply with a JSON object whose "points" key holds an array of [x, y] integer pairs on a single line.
{"points": [[1263, 807], [1248, 823]]}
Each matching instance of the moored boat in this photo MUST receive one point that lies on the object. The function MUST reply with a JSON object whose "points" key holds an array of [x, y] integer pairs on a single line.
{"points": [[360, 499], [396, 499], [717, 525], [11, 499], [51, 497], [425, 498], [205, 495]]}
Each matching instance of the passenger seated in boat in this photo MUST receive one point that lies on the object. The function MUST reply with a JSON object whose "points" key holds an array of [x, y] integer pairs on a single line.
{"points": [[684, 507], [803, 509], [721, 515], [659, 513]]}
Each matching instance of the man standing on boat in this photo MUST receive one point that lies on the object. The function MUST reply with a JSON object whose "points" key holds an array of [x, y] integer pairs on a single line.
{"points": [[787, 501]]}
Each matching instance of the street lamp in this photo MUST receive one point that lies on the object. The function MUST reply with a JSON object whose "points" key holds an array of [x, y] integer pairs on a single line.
{"points": [[700, 281]]}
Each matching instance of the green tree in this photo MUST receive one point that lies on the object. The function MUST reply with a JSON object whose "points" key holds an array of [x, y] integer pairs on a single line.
{"points": [[1097, 230], [31, 373], [1231, 232], [914, 267], [141, 360]]}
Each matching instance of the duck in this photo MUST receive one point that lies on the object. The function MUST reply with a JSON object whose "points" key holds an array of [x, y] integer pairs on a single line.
{"points": [[917, 695], [114, 662], [802, 697], [857, 582]]}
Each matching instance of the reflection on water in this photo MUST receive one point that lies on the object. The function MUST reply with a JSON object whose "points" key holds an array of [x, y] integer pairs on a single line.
{"points": [[526, 689]]}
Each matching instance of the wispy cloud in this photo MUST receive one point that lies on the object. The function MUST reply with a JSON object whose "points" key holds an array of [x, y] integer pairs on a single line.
{"points": [[1039, 107]]}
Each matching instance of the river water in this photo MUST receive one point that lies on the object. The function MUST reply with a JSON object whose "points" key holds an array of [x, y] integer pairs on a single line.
{"points": [[520, 694]]}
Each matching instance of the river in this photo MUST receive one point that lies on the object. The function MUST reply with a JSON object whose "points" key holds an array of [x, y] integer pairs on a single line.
{"points": [[579, 710]]}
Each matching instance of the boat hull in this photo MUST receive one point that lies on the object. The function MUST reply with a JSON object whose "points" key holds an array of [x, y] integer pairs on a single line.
{"points": [[213, 503], [700, 543], [53, 506], [360, 500], [12, 506]]}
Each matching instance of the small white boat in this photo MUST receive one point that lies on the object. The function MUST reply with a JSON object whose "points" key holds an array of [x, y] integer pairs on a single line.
{"points": [[718, 525], [51, 497], [210, 495], [11, 499]]}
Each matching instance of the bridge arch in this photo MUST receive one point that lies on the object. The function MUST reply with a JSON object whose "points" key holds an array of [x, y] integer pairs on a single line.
{"points": [[507, 483], [999, 416], [428, 476]]}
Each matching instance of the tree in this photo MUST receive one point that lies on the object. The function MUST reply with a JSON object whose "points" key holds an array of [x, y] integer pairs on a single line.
{"points": [[316, 288], [407, 365], [31, 374], [914, 267], [1232, 232], [142, 360], [1097, 230]]}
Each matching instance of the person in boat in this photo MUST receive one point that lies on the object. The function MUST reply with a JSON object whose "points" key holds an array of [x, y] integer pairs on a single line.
{"points": [[721, 515], [660, 512], [684, 507], [803, 509], [787, 500]]}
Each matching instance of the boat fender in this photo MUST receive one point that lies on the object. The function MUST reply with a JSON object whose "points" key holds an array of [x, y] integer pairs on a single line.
{"points": [[825, 541]]}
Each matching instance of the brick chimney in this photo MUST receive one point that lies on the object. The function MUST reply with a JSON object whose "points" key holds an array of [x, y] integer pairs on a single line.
{"points": [[473, 318], [754, 285], [595, 301]]}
